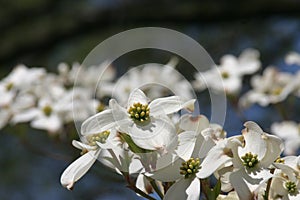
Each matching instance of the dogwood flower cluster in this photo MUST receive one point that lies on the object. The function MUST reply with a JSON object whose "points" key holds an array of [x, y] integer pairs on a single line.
{"points": [[232, 70], [45, 99], [271, 87], [149, 133], [155, 79], [48, 101], [177, 159]]}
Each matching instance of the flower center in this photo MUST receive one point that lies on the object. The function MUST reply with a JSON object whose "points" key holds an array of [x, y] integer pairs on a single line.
{"points": [[277, 91], [9, 86], [250, 160], [279, 160], [190, 167], [225, 75], [47, 110], [98, 137], [100, 107], [290, 186], [139, 112]]}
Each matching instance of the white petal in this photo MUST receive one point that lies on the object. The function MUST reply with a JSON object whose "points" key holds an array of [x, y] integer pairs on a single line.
{"points": [[4, 117], [52, 123], [137, 96], [143, 184], [193, 191], [287, 170], [240, 185], [164, 160], [168, 173], [292, 58], [77, 169], [168, 105], [285, 129], [97, 123], [193, 123], [254, 141], [187, 142], [183, 190], [231, 85], [158, 134], [120, 115], [249, 61], [80, 145], [214, 159], [135, 166], [204, 144], [253, 126], [274, 149], [25, 116]]}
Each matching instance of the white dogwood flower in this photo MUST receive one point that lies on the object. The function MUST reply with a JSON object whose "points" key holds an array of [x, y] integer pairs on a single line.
{"points": [[19, 104], [151, 78], [147, 124], [286, 180], [183, 172], [289, 131], [231, 71], [192, 142], [252, 160], [104, 146], [91, 151], [247, 159], [44, 117], [14, 91], [23, 78], [87, 76], [272, 87]]}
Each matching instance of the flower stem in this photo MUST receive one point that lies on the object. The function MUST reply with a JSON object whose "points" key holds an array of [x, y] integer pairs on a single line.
{"points": [[155, 187], [266, 195], [206, 186], [131, 185]]}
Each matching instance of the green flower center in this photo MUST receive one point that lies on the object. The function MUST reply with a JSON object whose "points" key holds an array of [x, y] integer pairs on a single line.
{"points": [[225, 75], [9, 86], [279, 160], [277, 91], [274, 91], [139, 112], [250, 160], [100, 107], [190, 167], [290, 186], [98, 137], [47, 110]]}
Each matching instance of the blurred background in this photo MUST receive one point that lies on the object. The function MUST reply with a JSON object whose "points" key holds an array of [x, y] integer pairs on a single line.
{"points": [[43, 33]]}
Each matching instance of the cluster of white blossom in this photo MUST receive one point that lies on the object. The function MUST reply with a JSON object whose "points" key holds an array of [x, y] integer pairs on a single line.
{"points": [[155, 153], [48, 100], [232, 70], [272, 87], [155, 79], [157, 141]]}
